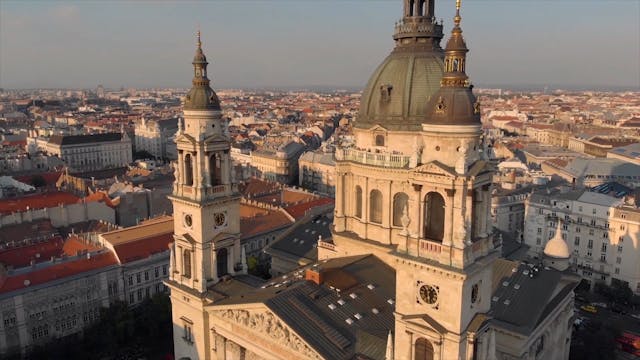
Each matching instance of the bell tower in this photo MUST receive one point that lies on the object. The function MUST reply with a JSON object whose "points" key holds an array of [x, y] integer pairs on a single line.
{"points": [[206, 207]]}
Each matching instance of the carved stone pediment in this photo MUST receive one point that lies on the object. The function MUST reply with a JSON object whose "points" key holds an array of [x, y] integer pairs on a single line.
{"points": [[378, 127], [434, 168], [216, 138], [267, 325], [185, 138]]}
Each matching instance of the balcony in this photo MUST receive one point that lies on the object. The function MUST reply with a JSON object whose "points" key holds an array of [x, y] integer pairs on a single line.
{"points": [[426, 26], [326, 245], [388, 160]]}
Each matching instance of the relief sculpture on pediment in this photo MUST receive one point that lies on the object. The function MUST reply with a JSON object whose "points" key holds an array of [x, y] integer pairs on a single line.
{"points": [[268, 324]]}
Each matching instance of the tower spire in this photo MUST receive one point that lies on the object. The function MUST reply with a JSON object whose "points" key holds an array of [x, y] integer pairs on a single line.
{"points": [[201, 95], [457, 18]]}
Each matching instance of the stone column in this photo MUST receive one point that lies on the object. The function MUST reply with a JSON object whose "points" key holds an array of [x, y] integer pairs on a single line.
{"points": [[450, 218], [214, 264]]}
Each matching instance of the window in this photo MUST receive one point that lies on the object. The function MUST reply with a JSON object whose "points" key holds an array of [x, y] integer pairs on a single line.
{"points": [[147, 292], [576, 242], [593, 211], [187, 335], [379, 140], [157, 272], [358, 212], [423, 350], [188, 170], [538, 241], [131, 299], [434, 217], [400, 207], [130, 279], [618, 260], [539, 230], [139, 294], [375, 207], [578, 229], [579, 220], [604, 247], [589, 253], [138, 278], [619, 248], [186, 263], [164, 270], [591, 232], [146, 276], [603, 257], [590, 244], [617, 271]]}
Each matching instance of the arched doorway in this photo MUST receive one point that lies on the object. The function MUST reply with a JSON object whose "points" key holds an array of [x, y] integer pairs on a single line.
{"points": [[222, 258], [434, 217], [424, 350]]}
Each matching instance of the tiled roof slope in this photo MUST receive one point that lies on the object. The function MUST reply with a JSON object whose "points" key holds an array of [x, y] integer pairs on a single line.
{"points": [[56, 271], [84, 139], [314, 312]]}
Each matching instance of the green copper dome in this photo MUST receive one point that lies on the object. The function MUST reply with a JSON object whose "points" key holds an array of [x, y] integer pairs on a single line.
{"points": [[398, 91]]}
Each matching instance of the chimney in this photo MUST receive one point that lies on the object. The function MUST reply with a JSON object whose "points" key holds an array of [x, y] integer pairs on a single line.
{"points": [[315, 275]]}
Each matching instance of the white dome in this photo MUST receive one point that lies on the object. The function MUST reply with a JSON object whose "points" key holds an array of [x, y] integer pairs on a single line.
{"points": [[557, 247]]}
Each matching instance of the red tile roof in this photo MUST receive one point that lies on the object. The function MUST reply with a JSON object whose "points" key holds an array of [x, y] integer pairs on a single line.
{"points": [[56, 271], [39, 201], [74, 244], [22, 256], [143, 248], [100, 196], [299, 211], [262, 221]]}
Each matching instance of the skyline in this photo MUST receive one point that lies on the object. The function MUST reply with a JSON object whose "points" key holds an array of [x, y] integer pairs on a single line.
{"points": [[285, 44]]}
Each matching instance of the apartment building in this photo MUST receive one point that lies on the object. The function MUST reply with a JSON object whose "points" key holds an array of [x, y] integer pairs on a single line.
{"points": [[92, 152], [603, 233]]}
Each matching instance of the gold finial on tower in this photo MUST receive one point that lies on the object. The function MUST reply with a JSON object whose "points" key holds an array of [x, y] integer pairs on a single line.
{"points": [[198, 34], [457, 18]]}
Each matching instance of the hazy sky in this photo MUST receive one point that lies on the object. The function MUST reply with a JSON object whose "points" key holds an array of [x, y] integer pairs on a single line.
{"points": [[283, 43]]}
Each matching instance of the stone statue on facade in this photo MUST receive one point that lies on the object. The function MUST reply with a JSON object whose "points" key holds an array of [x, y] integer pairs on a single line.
{"points": [[405, 220], [461, 163]]}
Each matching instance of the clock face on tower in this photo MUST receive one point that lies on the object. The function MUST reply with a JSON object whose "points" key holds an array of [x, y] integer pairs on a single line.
{"points": [[429, 294], [219, 219]]}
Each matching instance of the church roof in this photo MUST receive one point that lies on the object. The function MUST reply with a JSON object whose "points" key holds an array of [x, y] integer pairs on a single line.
{"points": [[348, 313], [526, 294]]}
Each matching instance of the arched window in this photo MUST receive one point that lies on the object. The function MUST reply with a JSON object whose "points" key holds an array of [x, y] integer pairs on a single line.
{"points": [[222, 258], [358, 211], [400, 202], [424, 350], [434, 217], [188, 170], [379, 140], [375, 207], [215, 169], [186, 263]]}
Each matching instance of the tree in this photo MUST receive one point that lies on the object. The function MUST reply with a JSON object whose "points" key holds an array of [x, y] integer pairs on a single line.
{"points": [[595, 341]]}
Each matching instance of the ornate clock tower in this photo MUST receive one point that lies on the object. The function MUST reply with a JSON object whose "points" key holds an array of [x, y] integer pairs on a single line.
{"points": [[206, 214]]}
